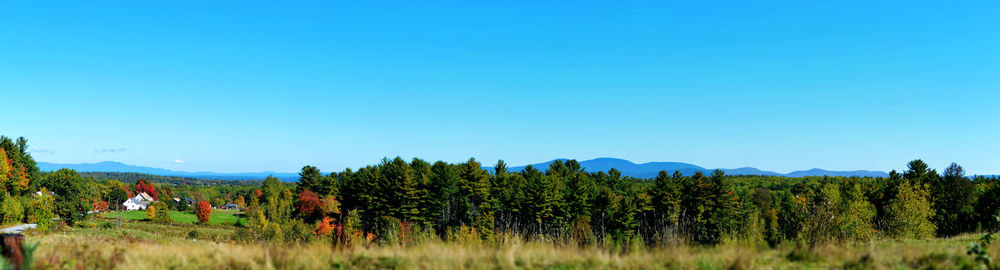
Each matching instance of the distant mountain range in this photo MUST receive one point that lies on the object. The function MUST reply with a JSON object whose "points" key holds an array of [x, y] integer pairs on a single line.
{"points": [[651, 169], [111, 166], [644, 170]]}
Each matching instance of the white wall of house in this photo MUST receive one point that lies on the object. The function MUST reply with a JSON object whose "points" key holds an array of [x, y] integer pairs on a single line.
{"points": [[132, 204]]}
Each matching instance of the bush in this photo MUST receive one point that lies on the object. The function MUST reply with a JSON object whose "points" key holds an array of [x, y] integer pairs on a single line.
{"points": [[244, 236], [12, 209], [106, 225], [161, 213], [86, 224], [42, 211], [272, 232], [151, 212], [298, 231], [387, 230], [193, 234]]}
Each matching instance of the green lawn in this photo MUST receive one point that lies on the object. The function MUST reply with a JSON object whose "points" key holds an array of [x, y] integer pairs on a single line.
{"points": [[217, 216]]}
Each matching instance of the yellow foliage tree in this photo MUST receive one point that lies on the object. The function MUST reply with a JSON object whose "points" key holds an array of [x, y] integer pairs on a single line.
{"points": [[6, 170], [150, 212], [240, 202], [910, 212]]}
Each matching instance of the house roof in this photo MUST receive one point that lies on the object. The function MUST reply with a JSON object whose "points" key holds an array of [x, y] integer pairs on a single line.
{"points": [[144, 196]]}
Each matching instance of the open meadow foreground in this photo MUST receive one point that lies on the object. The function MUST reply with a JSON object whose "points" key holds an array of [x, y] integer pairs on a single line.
{"points": [[142, 246]]}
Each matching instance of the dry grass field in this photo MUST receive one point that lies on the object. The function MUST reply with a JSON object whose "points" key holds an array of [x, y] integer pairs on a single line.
{"points": [[150, 246]]}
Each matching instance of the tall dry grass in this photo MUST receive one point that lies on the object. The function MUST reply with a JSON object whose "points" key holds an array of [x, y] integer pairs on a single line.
{"points": [[89, 249]]}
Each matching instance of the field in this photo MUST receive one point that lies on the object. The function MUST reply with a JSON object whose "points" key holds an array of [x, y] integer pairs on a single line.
{"points": [[217, 217], [142, 245]]}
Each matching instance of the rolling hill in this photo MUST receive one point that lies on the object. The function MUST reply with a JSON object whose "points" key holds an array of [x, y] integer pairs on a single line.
{"points": [[651, 169], [111, 166], [628, 168]]}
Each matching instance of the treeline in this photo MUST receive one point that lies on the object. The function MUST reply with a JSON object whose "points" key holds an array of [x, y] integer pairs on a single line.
{"points": [[131, 178], [564, 203]]}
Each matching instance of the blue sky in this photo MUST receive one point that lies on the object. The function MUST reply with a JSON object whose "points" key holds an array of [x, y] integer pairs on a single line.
{"points": [[268, 86]]}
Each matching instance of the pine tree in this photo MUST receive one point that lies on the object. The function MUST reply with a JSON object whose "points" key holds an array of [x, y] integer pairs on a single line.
{"points": [[474, 183], [442, 199], [666, 193], [422, 175], [311, 179]]}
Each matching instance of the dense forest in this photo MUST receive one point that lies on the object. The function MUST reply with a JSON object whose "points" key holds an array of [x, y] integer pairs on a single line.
{"points": [[565, 204], [401, 201]]}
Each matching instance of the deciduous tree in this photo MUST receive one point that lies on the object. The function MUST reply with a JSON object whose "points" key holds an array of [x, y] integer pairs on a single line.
{"points": [[204, 212]]}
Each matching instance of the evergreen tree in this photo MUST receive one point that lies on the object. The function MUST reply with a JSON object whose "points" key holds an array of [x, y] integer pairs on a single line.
{"points": [[474, 183], [666, 193], [443, 198], [954, 199], [311, 179]]}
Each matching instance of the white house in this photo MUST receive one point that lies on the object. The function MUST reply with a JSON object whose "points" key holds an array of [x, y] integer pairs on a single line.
{"points": [[139, 202]]}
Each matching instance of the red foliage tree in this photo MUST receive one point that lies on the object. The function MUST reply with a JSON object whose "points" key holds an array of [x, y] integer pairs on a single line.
{"points": [[147, 187], [308, 204], [258, 193], [101, 206], [203, 211]]}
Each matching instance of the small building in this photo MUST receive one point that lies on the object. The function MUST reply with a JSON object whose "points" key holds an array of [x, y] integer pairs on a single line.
{"points": [[144, 196], [231, 206], [39, 193], [139, 202], [135, 204]]}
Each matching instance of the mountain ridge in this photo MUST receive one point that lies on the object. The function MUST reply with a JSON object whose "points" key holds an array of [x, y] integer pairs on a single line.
{"points": [[628, 168], [652, 169], [113, 166]]}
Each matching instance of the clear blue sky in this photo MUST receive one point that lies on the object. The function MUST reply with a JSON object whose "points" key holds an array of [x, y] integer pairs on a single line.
{"points": [[267, 86]]}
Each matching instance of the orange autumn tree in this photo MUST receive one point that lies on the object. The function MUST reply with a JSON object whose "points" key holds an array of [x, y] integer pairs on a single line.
{"points": [[23, 181], [240, 202], [203, 211], [323, 227]]}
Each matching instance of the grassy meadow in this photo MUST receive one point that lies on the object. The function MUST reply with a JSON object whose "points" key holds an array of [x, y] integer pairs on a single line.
{"points": [[144, 245], [217, 217]]}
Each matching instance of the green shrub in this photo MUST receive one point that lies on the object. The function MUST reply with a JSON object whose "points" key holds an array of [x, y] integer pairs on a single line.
{"points": [[272, 232], [387, 230], [41, 212], [193, 234], [162, 213], [106, 225], [298, 231], [86, 224], [244, 236], [12, 209]]}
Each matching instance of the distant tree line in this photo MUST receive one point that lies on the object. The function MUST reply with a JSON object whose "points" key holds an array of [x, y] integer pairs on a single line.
{"points": [[564, 203], [131, 178]]}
